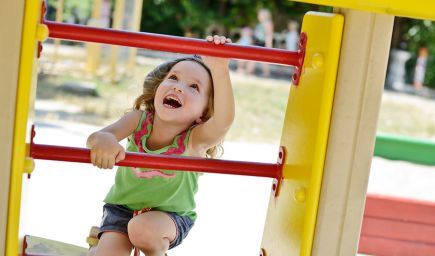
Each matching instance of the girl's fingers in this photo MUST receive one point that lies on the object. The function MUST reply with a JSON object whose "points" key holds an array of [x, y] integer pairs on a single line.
{"points": [[110, 163], [120, 156], [216, 39], [98, 160], [105, 163], [93, 157], [223, 39], [106, 160]]}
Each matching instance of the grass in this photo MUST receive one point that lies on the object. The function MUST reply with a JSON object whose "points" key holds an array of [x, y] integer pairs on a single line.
{"points": [[260, 109], [407, 115], [260, 104]]}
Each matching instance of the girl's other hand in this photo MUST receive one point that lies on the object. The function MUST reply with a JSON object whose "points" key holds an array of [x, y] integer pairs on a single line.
{"points": [[105, 150], [218, 39], [216, 62]]}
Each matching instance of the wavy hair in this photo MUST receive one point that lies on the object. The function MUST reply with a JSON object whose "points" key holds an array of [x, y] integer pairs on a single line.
{"points": [[152, 82]]}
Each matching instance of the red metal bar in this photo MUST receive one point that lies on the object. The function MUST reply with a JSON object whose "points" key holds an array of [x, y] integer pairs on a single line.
{"points": [[82, 155], [173, 44]]}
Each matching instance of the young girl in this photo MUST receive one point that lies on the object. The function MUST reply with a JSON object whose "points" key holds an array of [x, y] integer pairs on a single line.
{"points": [[186, 108]]}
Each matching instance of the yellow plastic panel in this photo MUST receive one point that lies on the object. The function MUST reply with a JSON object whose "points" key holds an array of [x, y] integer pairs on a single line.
{"points": [[31, 31], [291, 217], [417, 9]]}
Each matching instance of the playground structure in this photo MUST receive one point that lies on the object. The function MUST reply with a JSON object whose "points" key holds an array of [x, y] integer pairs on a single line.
{"points": [[328, 135], [100, 18]]}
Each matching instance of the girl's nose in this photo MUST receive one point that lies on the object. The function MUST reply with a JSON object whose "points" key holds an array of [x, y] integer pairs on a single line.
{"points": [[177, 88]]}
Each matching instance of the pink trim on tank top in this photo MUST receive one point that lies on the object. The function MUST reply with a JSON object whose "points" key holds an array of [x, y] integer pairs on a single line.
{"points": [[138, 135]]}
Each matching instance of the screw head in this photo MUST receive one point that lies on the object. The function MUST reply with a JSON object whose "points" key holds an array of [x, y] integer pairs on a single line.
{"points": [[300, 194], [317, 60]]}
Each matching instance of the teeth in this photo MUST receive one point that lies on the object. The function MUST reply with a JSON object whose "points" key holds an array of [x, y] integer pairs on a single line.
{"points": [[172, 101], [173, 98]]}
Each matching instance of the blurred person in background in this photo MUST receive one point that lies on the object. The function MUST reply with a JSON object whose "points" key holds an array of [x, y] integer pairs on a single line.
{"points": [[245, 39], [292, 36], [420, 67], [263, 36]]}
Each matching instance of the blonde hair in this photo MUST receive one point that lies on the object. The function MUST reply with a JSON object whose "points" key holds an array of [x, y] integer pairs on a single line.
{"points": [[152, 82]]}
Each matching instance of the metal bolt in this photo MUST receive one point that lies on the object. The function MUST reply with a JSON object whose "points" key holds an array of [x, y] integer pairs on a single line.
{"points": [[300, 194], [317, 61]]}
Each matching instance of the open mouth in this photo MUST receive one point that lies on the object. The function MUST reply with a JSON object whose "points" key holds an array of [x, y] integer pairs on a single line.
{"points": [[172, 102]]}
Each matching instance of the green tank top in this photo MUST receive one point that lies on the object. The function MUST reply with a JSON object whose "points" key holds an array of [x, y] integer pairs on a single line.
{"points": [[174, 194]]}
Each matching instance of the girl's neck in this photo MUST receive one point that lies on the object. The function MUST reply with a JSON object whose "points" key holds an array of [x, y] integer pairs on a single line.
{"points": [[163, 134]]}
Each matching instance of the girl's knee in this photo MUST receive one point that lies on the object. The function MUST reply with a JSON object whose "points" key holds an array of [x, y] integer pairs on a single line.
{"points": [[145, 238], [112, 243]]}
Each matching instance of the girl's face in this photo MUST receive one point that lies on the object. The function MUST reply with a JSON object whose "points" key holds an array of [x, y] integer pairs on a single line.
{"points": [[182, 97]]}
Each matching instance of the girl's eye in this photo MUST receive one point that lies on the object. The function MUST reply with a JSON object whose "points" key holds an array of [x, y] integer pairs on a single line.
{"points": [[194, 86], [173, 77]]}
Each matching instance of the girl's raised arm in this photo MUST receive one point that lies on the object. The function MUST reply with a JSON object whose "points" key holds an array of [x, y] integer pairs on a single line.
{"points": [[213, 131]]}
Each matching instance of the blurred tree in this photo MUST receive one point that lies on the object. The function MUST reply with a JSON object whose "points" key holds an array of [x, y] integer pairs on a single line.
{"points": [[412, 34], [418, 32], [195, 17], [75, 11]]}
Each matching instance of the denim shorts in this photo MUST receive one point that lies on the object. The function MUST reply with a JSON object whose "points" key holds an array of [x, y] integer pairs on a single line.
{"points": [[116, 218]]}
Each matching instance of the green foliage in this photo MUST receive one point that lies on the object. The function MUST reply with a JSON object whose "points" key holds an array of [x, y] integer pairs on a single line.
{"points": [[420, 33], [429, 78], [75, 11], [161, 15], [196, 16]]}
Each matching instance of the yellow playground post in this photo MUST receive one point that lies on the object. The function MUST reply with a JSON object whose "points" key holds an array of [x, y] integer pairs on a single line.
{"points": [[304, 136], [358, 89], [11, 16], [28, 32]]}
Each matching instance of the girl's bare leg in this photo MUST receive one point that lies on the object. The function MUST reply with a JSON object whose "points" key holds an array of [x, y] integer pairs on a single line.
{"points": [[113, 243], [152, 232]]}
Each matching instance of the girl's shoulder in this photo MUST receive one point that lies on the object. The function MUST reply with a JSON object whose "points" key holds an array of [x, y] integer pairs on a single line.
{"points": [[143, 120], [143, 117], [142, 125], [193, 149], [135, 113]]}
